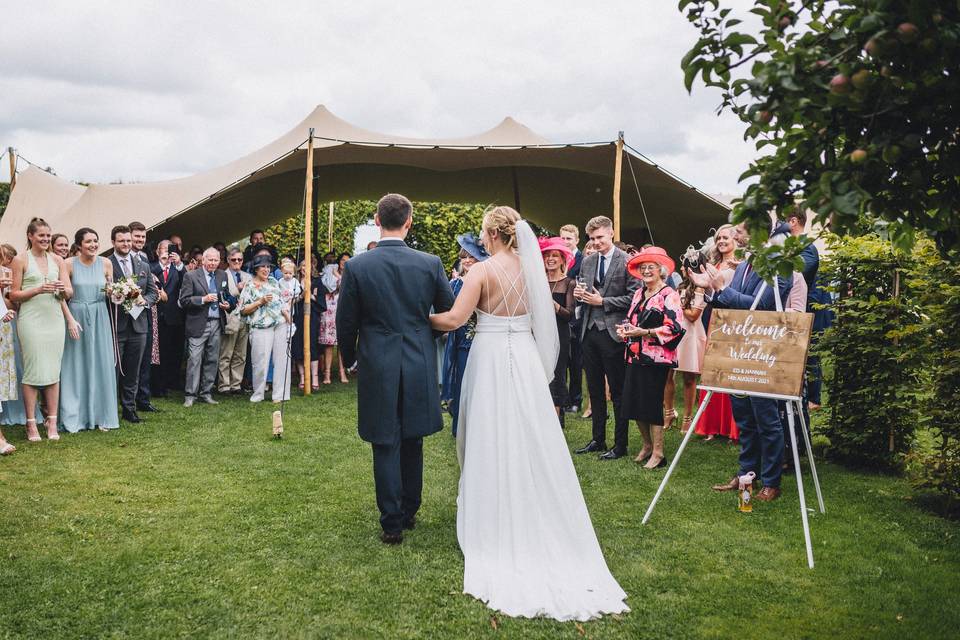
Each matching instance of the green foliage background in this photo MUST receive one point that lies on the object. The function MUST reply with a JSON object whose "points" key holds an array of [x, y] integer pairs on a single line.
{"points": [[4, 196], [435, 227]]}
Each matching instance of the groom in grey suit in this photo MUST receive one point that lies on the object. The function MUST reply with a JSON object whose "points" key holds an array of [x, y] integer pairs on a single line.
{"points": [[383, 328], [131, 331]]}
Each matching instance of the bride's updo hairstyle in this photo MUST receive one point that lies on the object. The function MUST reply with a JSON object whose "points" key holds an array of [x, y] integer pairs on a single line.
{"points": [[504, 221]]}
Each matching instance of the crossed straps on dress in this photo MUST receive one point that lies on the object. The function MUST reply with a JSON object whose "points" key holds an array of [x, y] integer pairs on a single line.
{"points": [[505, 293]]}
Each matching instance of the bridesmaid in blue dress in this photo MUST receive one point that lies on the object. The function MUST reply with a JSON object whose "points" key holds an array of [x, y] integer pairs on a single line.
{"points": [[88, 387]]}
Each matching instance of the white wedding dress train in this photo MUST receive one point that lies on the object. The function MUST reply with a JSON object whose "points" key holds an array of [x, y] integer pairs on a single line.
{"points": [[528, 544]]}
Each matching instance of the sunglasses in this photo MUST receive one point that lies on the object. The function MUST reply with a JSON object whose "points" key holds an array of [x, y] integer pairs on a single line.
{"points": [[236, 259]]}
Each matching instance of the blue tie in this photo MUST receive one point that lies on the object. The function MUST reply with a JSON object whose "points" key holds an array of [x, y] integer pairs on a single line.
{"points": [[214, 311], [603, 270]]}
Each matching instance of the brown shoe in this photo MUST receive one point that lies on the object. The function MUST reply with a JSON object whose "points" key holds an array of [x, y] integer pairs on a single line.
{"points": [[733, 485], [768, 494]]}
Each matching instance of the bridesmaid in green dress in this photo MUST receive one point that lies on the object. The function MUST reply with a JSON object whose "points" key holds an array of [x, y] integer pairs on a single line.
{"points": [[88, 388], [39, 283]]}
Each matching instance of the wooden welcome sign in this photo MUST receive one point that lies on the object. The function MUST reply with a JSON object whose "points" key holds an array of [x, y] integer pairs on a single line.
{"points": [[761, 353]]}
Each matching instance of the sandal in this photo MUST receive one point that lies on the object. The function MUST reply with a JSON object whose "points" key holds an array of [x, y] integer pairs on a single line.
{"points": [[55, 436], [669, 415], [6, 448], [685, 425], [587, 413], [36, 437]]}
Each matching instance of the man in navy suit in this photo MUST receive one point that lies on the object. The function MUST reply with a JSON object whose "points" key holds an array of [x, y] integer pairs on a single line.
{"points": [[383, 326], [761, 432], [169, 319]]}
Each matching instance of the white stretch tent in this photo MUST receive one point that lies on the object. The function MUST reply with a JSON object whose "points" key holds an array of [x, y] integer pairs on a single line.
{"points": [[554, 184]]}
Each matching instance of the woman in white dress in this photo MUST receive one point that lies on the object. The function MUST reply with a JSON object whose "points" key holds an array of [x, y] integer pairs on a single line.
{"points": [[528, 544]]}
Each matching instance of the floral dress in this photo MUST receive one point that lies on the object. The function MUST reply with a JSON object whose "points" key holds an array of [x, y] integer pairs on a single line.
{"points": [[8, 363]]}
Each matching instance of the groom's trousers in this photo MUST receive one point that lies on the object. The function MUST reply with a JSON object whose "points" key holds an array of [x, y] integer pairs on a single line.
{"points": [[398, 475]]}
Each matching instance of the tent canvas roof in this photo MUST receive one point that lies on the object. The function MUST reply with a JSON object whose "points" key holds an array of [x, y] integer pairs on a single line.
{"points": [[555, 184]]}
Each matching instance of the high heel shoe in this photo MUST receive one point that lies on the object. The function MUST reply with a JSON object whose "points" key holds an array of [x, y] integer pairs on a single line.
{"points": [[36, 437], [55, 435], [641, 458], [685, 425], [669, 415]]}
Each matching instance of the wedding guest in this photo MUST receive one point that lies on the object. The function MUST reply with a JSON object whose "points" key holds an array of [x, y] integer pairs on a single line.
{"points": [[758, 419], [456, 350], [571, 235], [40, 282], [60, 245], [588, 250], [257, 239], [371, 245], [233, 344], [178, 242], [170, 336], [88, 394], [8, 367], [203, 297], [606, 295], [328, 333], [269, 320], [557, 257], [717, 418], [693, 345], [74, 250], [13, 411], [221, 247], [131, 326], [318, 304], [151, 349], [652, 331]]}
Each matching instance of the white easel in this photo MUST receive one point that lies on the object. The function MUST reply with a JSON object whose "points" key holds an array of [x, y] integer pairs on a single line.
{"points": [[792, 402]]}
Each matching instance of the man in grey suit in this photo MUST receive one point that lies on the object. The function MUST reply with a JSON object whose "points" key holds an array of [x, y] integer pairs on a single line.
{"points": [[131, 327], [383, 327], [205, 300], [606, 296]]}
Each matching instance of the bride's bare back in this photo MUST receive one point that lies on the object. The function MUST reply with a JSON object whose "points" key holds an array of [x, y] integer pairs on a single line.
{"points": [[495, 286], [502, 287]]}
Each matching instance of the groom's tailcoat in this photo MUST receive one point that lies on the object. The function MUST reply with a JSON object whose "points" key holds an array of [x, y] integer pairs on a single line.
{"points": [[383, 325]]}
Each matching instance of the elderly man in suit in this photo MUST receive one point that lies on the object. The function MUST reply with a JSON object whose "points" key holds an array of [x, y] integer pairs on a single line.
{"points": [[204, 297], [758, 419], [383, 325], [233, 345], [132, 327], [606, 295]]}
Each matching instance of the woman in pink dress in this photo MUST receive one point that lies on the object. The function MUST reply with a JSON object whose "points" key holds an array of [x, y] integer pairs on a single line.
{"points": [[328, 330], [717, 418], [691, 347]]}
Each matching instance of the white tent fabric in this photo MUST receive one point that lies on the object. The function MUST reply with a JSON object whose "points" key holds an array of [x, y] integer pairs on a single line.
{"points": [[553, 183]]}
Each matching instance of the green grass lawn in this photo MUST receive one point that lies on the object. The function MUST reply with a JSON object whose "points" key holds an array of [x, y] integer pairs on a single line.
{"points": [[197, 524]]}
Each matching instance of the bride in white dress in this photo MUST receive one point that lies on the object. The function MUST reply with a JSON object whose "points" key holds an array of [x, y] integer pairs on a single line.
{"points": [[528, 544]]}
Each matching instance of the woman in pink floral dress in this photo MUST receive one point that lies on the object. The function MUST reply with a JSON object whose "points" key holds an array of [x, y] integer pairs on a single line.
{"points": [[652, 331]]}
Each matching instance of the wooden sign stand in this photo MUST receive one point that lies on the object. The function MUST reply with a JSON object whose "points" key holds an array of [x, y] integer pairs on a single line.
{"points": [[793, 402]]}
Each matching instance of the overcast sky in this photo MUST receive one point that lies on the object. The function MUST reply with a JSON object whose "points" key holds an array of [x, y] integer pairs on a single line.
{"points": [[140, 91]]}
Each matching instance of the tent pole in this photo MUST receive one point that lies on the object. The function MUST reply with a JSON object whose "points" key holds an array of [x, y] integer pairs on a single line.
{"points": [[330, 228], [516, 189], [307, 266], [13, 167], [617, 172]]}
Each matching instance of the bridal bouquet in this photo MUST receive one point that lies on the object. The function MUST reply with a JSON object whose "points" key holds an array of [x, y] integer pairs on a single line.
{"points": [[124, 291]]}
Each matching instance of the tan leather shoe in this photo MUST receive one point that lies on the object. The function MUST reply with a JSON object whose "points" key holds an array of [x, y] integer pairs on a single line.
{"points": [[733, 485], [768, 494]]}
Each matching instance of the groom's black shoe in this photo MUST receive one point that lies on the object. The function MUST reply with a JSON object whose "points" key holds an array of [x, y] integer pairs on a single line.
{"points": [[592, 446], [613, 454], [410, 524], [391, 538]]}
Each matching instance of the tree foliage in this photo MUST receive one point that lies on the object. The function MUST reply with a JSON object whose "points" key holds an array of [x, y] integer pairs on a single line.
{"points": [[872, 352], [938, 287], [435, 227], [854, 106], [4, 196]]}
